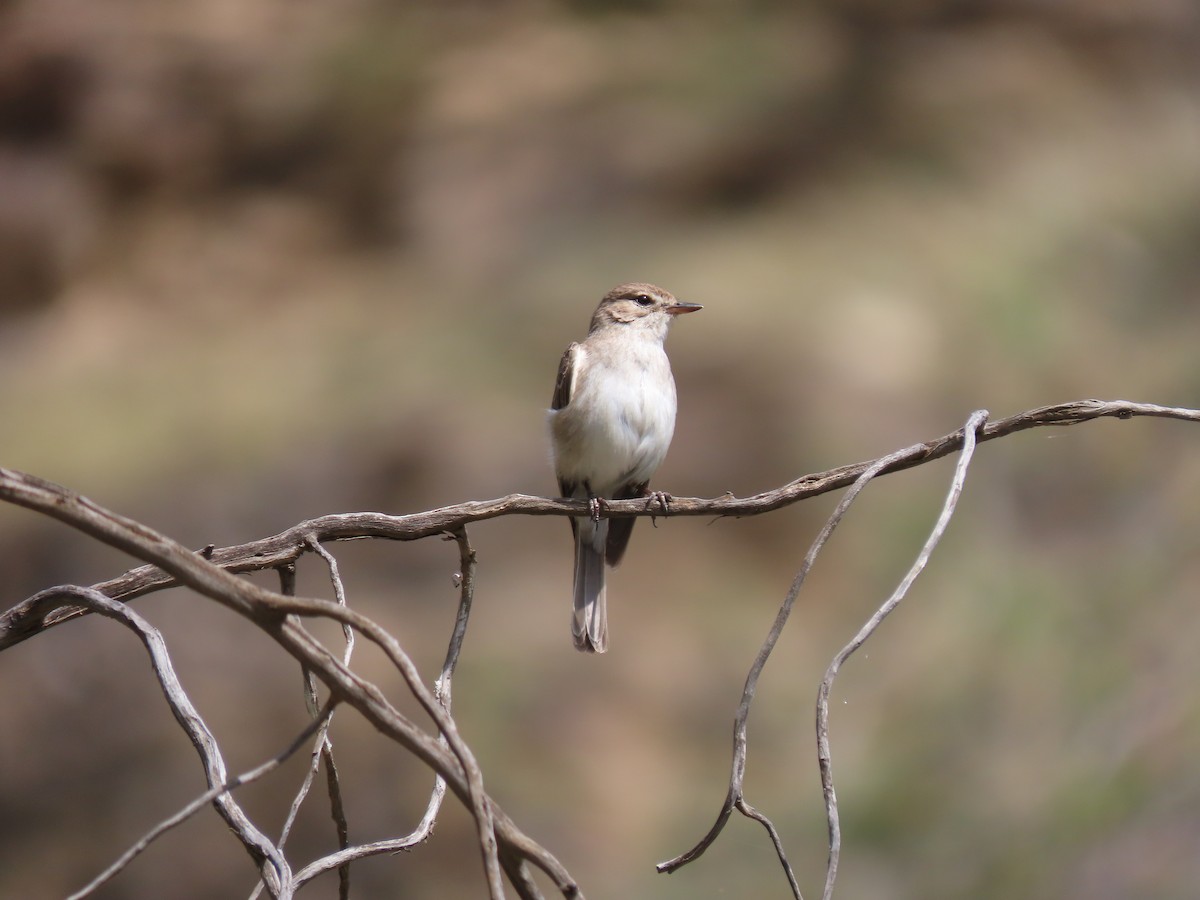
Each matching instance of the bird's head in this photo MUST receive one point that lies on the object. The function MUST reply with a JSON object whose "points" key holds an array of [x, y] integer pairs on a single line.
{"points": [[639, 305]]}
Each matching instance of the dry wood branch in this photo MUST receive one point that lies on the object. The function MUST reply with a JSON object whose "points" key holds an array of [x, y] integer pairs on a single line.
{"points": [[323, 746], [442, 691], [333, 785], [751, 813], [505, 850], [443, 687], [734, 797], [22, 621], [824, 757], [276, 615], [197, 804], [276, 873]]}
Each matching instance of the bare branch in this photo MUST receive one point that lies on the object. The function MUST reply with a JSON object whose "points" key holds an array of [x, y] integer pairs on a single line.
{"points": [[199, 803], [323, 747], [506, 851], [442, 691], [274, 868], [734, 796], [337, 810], [824, 757], [443, 686], [273, 613], [750, 812], [22, 621]]}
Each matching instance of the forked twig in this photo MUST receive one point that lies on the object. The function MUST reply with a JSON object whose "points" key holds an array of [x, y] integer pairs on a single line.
{"points": [[442, 691], [323, 746], [824, 759], [182, 815], [734, 794], [734, 798], [275, 870]]}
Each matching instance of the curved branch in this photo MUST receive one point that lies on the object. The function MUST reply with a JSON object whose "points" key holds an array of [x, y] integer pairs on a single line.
{"points": [[442, 691], [275, 871], [25, 620], [275, 614], [824, 756], [734, 797], [212, 573]]}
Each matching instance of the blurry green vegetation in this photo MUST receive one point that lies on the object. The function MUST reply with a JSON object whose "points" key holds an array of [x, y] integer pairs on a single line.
{"points": [[265, 261]]}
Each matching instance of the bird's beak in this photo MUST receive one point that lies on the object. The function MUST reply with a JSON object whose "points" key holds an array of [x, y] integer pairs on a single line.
{"points": [[678, 308]]}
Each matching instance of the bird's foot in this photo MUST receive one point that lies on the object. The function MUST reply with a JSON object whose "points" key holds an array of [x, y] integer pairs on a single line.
{"points": [[596, 505], [661, 499]]}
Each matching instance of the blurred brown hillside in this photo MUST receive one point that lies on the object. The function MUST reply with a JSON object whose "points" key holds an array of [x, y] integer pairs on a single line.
{"points": [[265, 260]]}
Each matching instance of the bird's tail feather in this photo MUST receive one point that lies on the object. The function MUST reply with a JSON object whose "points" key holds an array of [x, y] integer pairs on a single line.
{"points": [[589, 624]]}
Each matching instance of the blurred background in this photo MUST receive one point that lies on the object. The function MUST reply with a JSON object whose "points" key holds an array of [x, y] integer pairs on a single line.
{"points": [[261, 261]]}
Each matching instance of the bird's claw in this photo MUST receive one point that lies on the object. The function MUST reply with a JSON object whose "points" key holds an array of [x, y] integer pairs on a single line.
{"points": [[662, 499], [596, 506]]}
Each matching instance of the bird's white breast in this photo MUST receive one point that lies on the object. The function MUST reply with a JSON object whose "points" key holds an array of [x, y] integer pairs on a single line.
{"points": [[618, 424]]}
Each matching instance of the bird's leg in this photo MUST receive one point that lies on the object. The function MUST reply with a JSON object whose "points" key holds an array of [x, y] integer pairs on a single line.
{"points": [[596, 505]]}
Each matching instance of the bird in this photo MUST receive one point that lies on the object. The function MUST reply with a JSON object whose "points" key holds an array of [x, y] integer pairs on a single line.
{"points": [[611, 421]]}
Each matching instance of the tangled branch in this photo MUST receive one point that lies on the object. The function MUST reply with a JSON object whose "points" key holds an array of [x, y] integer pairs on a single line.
{"points": [[506, 852], [288, 546]]}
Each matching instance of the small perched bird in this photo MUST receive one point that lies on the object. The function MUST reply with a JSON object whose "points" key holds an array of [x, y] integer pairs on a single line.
{"points": [[611, 422]]}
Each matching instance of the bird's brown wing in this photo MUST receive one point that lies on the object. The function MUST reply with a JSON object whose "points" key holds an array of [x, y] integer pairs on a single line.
{"points": [[564, 388], [564, 385], [619, 530]]}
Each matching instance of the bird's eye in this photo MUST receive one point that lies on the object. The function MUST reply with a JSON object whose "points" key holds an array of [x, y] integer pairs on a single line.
{"points": [[643, 300]]}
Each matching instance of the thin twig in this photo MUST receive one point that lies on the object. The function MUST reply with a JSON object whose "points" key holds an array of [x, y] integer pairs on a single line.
{"points": [[323, 746], [443, 687], [824, 757], [733, 796], [750, 812], [442, 692], [275, 870], [182, 815]]}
